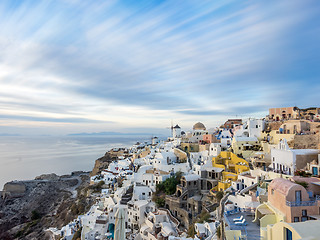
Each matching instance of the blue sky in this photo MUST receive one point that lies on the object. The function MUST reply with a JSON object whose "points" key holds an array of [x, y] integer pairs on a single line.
{"points": [[87, 66]]}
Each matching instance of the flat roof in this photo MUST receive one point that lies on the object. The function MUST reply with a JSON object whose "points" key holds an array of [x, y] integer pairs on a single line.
{"points": [[265, 211]]}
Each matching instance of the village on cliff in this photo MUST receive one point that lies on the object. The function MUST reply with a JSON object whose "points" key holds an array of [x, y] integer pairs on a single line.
{"points": [[247, 179]]}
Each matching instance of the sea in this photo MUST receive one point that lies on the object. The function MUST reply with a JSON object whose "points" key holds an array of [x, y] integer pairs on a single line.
{"points": [[24, 158]]}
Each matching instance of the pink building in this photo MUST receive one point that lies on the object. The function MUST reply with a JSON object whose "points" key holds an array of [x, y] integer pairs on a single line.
{"points": [[293, 200], [210, 138], [283, 113]]}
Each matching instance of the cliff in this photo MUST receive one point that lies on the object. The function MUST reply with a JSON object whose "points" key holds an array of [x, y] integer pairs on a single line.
{"points": [[307, 141], [103, 163], [29, 207]]}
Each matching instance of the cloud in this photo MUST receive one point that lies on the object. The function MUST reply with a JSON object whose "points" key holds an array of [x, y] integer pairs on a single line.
{"points": [[56, 120], [77, 60]]}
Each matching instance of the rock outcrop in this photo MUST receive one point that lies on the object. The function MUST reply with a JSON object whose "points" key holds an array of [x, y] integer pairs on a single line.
{"points": [[103, 163], [29, 207]]}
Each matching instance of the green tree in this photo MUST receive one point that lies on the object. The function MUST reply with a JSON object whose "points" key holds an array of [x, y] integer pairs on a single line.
{"points": [[160, 202], [77, 234], [302, 183], [191, 231], [219, 196], [35, 215]]}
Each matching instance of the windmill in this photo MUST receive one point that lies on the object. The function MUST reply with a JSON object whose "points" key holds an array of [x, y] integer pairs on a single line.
{"points": [[171, 127]]}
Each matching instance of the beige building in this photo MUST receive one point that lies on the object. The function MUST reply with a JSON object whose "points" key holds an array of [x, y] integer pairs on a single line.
{"points": [[308, 230], [283, 113], [286, 113], [295, 126], [288, 202]]}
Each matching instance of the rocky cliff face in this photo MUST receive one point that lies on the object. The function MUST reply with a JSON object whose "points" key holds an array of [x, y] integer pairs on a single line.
{"points": [[40, 204], [103, 163], [307, 141]]}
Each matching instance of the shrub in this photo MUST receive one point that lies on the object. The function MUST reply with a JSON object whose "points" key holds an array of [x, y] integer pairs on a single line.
{"points": [[191, 231], [160, 202], [219, 196], [303, 184], [35, 215], [204, 217], [77, 234]]}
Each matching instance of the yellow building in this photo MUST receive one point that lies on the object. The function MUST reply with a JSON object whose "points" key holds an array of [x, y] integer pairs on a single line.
{"points": [[246, 146], [232, 165], [288, 205], [309, 230]]}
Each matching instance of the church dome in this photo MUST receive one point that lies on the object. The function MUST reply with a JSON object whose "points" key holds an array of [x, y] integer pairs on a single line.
{"points": [[199, 126]]}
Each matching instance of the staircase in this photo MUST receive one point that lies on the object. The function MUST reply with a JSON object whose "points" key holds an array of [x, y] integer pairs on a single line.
{"points": [[127, 196]]}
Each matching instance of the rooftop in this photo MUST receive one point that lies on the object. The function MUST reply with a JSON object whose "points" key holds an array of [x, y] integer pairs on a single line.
{"points": [[307, 228], [191, 177], [282, 185], [252, 230]]}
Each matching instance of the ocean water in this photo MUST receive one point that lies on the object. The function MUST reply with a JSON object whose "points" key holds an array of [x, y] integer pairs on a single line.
{"points": [[23, 158]]}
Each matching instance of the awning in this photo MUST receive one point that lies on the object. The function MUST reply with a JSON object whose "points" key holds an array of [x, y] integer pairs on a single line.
{"points": [[265, 211], [252, 204]]}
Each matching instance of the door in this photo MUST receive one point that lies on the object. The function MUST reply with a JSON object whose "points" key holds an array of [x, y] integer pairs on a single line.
{"points": [[298, 196], [314, 171], [288, 234]]}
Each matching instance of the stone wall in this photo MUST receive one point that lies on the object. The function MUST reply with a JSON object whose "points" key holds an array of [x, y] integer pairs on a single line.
{"points": [[302, 160], [307, 141], [14, 189], [181, 155]]}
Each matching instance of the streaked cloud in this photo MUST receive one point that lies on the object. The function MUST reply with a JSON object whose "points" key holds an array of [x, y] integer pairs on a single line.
{"points": [[129, 64]]}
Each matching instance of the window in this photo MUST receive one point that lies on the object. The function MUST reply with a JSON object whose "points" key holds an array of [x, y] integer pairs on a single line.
{"points": [[303, 219], [288, 234], [304, 212], [298, 196], [296, 219]]}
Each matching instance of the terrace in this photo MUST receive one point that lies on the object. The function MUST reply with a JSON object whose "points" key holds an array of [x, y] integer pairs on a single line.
{"points": [[250, 231], [312, 202]]}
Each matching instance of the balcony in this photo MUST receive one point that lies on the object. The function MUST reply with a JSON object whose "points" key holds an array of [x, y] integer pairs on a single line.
{"points": [[301, 203], [312, 202]]}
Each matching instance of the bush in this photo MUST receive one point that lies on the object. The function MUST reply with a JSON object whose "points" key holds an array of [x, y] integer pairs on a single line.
{"points": [[219, 196], [77, 234], [219, 231], [35, 215], [160, 202], [302, 173], [191, 231], [169, 185], [303, 184], [204, 217]]}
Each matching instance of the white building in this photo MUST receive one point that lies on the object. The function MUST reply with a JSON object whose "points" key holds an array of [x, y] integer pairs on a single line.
{"points": [[287, 161], [244, 181], [158, 225], [137, 211], [199, 158], [176, 131], [214, 149], [250, 128], [141, 193], [152, 177]]}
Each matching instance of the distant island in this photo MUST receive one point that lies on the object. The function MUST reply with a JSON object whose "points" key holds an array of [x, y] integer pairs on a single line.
{"points": [[9, 134], [107, 133]]}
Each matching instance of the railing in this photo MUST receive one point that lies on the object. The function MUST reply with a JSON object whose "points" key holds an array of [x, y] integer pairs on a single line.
{"points": [[301, 203]]}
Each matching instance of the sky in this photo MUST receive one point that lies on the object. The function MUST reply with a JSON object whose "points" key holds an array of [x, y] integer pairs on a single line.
{"points": [[69, 66]]}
